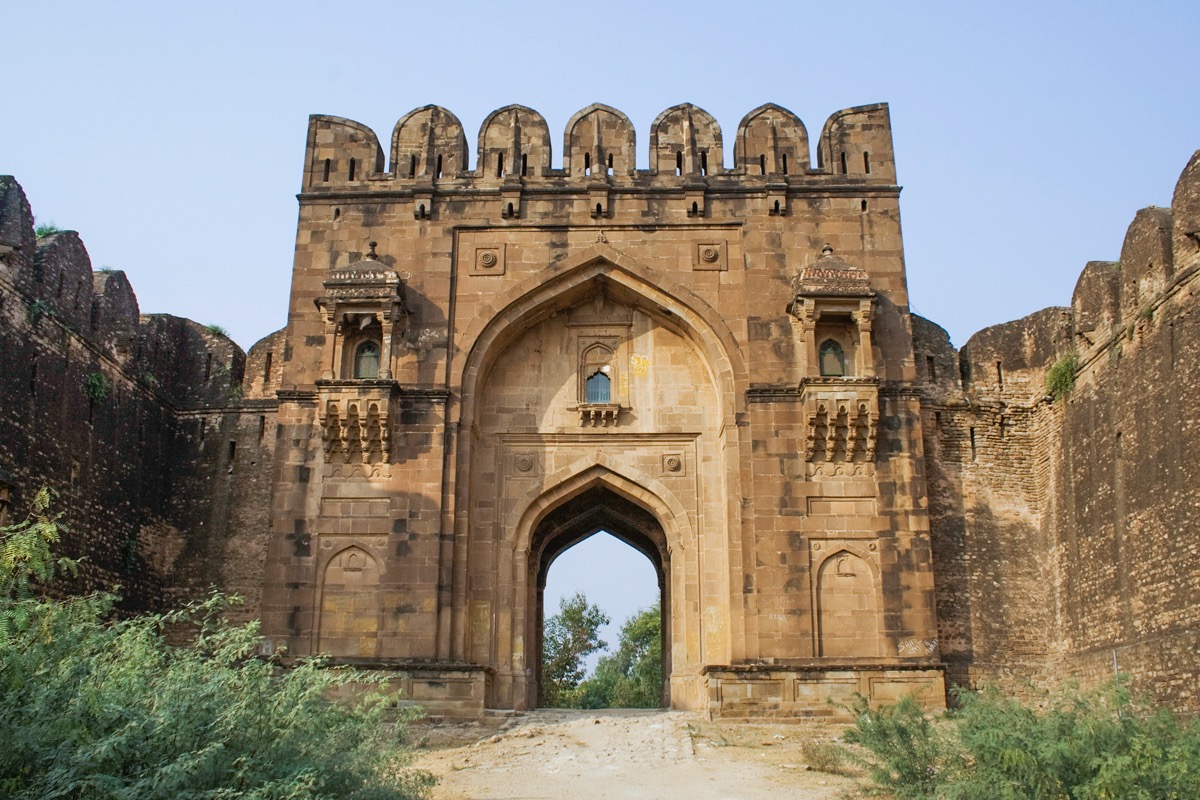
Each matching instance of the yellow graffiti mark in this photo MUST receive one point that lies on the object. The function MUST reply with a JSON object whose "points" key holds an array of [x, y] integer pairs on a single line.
{"points": [[640, 364]]}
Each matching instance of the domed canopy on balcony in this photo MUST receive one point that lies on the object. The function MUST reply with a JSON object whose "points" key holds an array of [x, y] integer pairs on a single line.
{"points": [[830, 276], [365, 280]]}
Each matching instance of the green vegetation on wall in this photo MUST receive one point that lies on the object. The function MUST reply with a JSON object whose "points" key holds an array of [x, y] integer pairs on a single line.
{"points": [[46, 229], [1060, 379], [96, 386]]}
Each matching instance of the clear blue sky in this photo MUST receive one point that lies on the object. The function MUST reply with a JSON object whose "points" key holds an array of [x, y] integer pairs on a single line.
{"points": [[171, 135]]}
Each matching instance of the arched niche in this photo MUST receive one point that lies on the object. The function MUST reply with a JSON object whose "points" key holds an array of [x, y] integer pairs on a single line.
{"points": [[847, 606], [567, 283], [349, 609]]}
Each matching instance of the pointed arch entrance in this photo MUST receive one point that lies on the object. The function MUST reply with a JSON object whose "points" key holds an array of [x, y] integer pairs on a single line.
{"points": [[595, 510], [540, 463]]}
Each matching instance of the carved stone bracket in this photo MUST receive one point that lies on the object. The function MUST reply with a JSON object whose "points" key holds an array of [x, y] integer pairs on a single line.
{"points": [[842, 419], [356, 420], [596, 415]]}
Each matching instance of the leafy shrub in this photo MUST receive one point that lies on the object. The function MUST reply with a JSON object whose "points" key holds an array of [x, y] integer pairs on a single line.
{"points": [[904, 751], [91, 708], [96, 386], [1072, 745], [1060, 379], [217, 330], [46, 229], [38, 309]]}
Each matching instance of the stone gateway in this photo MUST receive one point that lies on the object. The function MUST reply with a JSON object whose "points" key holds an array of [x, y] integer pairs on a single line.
{"points": [[714, 363]]}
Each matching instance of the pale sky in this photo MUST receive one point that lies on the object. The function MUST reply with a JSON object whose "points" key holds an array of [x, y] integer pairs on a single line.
{"points": [[171, 135]]}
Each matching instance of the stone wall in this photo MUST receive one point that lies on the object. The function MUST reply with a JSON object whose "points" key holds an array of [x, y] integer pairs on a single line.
{"points": [[127, 418], [1064, 530], [915, 509]]}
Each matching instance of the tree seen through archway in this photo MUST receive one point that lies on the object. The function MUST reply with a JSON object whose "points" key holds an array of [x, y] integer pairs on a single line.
{"points": [[602, 633]]}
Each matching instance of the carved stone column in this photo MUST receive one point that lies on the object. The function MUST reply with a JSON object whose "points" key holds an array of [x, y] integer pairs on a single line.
{"points": [[866, 356]]}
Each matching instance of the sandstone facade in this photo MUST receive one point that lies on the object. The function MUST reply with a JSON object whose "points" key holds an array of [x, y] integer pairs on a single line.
{"points": [[715, 363]]}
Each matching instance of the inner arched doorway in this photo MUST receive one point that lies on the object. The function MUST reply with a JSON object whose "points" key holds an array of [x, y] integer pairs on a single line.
{"points": [[596, 510]]}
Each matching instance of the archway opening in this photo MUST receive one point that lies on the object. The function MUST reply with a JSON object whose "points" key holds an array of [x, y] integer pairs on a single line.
{"points": [[597, 511]]}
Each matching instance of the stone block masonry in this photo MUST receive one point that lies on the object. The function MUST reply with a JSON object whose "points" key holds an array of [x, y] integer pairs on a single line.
{"points": [[139, 424]]}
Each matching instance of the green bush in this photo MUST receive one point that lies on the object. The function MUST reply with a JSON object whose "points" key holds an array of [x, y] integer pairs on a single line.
{"points": [[92, 708], [903, 749], [1060, 379], [38, 309], [1072, 745], [96, 386]]}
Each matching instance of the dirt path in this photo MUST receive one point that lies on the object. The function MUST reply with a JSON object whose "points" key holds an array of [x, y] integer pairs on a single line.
{"points": [[589, 755]]}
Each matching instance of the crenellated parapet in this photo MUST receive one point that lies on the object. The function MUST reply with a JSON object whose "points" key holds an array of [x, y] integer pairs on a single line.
{"points": [[429, 151]]}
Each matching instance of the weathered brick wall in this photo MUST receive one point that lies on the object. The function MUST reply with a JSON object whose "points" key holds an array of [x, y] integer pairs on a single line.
{"points": [[1066, 535], [126, 418], [987, 452], [1128, 499]]}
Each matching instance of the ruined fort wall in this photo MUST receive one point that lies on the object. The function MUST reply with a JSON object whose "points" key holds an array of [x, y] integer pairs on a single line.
{"points": [[1066, 536], [1126, 505], [126, 418], [989, 437]]}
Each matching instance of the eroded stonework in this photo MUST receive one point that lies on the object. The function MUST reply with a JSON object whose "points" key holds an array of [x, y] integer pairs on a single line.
{"points": [[715, 364]]}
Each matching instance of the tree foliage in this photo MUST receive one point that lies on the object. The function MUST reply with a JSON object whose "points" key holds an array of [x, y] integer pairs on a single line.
{"points": [[632, 676], [1071, 745], [95, 708], [568, 638]]}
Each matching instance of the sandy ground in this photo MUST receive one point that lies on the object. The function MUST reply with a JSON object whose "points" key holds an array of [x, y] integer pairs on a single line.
{"points": [[665, 755]]}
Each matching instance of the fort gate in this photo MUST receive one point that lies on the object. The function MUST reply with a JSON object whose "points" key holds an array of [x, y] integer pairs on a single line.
{"points": [[715, 363], [712, 362]]}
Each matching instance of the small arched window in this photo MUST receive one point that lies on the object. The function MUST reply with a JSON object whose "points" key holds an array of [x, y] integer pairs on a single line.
{"points": [[366, 360], [832, 359], [599, 388]]}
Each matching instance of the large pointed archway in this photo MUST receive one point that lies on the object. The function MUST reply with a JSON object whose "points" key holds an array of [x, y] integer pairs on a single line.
{"points": [[595, 510], [540, 464]]}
